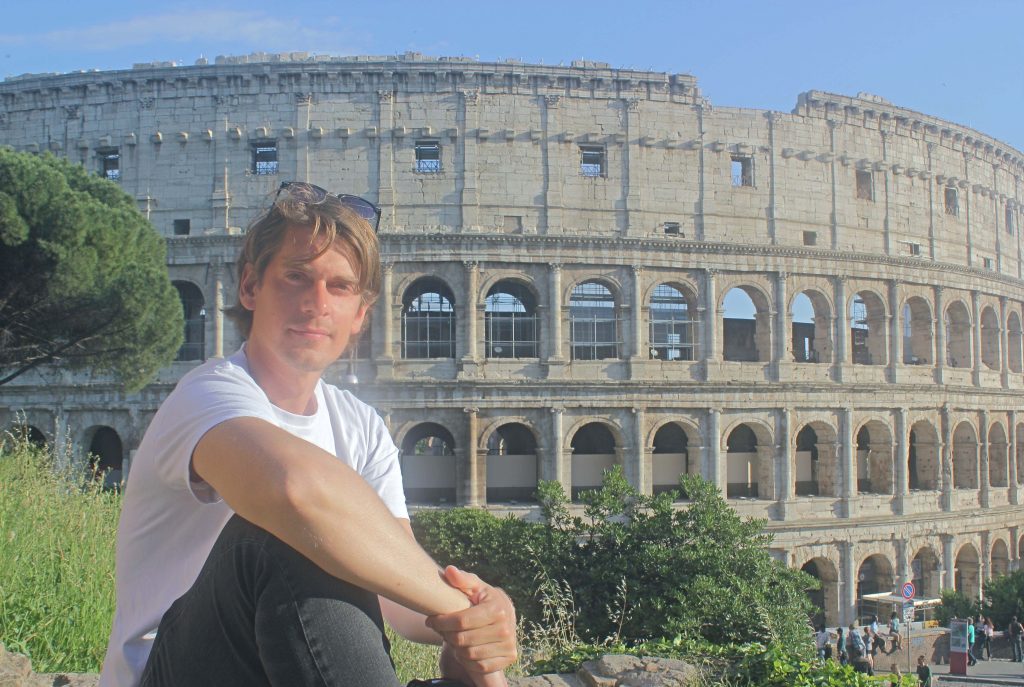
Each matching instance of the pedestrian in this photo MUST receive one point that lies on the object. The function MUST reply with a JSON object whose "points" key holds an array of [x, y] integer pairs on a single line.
{"points": [[894, 633], [987, 632], [971, 660], [1016, 630], [841, 654], [924, 673], [821, 641], [896, 676], [854, 643], [870, 647]]}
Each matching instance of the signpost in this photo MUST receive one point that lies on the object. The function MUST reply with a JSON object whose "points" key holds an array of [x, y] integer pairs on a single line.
{"points": [[907, 591], [957, 647]]}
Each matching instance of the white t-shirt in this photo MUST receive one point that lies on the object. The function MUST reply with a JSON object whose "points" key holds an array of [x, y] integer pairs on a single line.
{"points": [[169, 523]]}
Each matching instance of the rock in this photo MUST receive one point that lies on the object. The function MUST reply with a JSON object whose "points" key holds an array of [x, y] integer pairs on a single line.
{"points": [[15, 669], [629, 671]]}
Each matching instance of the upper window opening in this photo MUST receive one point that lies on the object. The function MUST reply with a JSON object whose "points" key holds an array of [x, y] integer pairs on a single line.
{"points": [[865, 185], [952, 202], [1009, 220], [742, 170], [428, 157], [592, 161], [182, 227], [264, 157], [510, 314], [110, 163], [594, 322]]}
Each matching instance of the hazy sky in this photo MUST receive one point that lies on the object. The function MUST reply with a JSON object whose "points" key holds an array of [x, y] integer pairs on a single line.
{"points": [[956, 60]]}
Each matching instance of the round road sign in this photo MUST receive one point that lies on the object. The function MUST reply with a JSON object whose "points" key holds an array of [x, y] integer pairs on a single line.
{"points": [[908, 590]]}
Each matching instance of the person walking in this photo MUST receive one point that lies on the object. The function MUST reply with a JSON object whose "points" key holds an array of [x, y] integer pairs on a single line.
{"points": [[841, 654], [1016, 630], [971, 660], [821, 642], [987, 632], [924, 673]]}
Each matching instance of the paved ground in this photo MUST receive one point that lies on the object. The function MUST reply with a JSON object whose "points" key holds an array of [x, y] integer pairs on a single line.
{"points": [[998, 671]]}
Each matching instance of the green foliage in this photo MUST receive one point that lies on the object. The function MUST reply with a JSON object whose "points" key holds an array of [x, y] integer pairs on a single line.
{"points": [[1004, 598], [956, 604], [83, 278], [637, 568], [56, 561]]}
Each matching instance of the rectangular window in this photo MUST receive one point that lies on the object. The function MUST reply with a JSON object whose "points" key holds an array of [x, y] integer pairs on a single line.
{"points": [[264, 157], [989, 263], [952, 202], [1009, 220], [810, 238], [110, 163], [914, 248], [865, 185], [428, 157], [672, 228], [742, 170], [592, 161], [182, 227]]}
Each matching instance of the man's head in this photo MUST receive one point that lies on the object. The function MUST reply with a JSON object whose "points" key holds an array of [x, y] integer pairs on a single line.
{"points": [[333, 224]]}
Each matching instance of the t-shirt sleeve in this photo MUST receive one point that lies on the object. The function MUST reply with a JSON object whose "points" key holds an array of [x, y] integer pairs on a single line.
{"points": [[382, 469], [200, 403]]}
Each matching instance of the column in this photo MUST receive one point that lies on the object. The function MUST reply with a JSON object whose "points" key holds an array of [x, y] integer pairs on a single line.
{"points": [[633, 191], [642, 478], [783, 340], [903, 571], [1004, 345], [1012, 478], [940, 336], [556, 469], [947, 458], [784, 479], [556, 351], [711, 352], [895, 334], [901, 483], [983, 469], [386, 158], [948, 562], [385, 351], [475, 493], [848, 584], [218, 309], [470, 203], [713, 471], [638, 314], [842, 334], [986, 561], [847, 456], [556, 166], [1014, 551], [471, 313], [976, 336]]}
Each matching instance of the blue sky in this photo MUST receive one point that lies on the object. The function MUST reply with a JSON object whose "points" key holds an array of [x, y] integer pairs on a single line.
{"points": [[954, 60]]}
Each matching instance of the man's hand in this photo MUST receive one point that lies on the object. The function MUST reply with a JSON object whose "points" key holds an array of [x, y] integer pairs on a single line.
{"points": [[480, 639]]}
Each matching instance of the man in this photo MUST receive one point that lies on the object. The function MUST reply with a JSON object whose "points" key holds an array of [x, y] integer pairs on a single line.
{"points": [[264, 536], [1016, 631]]}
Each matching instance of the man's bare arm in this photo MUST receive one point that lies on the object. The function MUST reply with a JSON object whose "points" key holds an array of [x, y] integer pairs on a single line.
{"points": [[322, 508]]}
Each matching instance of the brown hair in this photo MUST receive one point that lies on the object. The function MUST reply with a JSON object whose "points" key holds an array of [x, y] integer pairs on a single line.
{"points": [[333, 223]]}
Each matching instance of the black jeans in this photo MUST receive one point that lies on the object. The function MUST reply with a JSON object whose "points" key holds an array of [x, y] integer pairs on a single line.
{"points": [[260, 613]]}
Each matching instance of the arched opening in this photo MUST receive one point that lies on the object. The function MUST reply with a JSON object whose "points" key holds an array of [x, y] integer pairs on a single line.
{"points": [[811, 325], [867, 329], [512, 464], [593, 452], [428, 320], [990, 338], [510, 320], [923, 457], [746, 325], [672, 324], [926, 573], [825, 599], [958, 335], [967, 570], [192, 305], [965, 457], [428, 464], [106, 456], [807, 466], [874, 576], [29, 434], [747, 473], [671, 458], [1013, 342], [917, 332], [1000, 559], [875, 465], [998, 467], [593, 322]]}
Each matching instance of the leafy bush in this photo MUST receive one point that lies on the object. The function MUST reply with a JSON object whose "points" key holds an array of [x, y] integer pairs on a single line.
{"points": [[637, 568], [1004, 598], [955, 604]]}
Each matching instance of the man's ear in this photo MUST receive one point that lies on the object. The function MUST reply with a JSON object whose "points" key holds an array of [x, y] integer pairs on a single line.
{"points": [[247, 289]]}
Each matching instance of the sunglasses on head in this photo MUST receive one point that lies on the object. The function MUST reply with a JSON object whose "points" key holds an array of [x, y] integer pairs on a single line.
{"points": [[312, 194]]}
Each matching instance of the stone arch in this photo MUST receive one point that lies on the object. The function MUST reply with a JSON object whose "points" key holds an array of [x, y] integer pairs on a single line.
{"points": [[990, 338], [1014, 341], [923, 456], [193, 306], [926, 573], [749, 461], [875, 458], [746, 325], [673, 325], [967, 571], [958, 335], [1019, 449], [826, 599], [965, 456], [512, 463], [918, 346], [811, 341], [428, 319], [867, 329], [1000, 559], [673, 453], [594, 328], [998, 467], [428, 464], [106, 455], [595, 449], [815, 471], [511, 323], [29, 433], [875, 575]]}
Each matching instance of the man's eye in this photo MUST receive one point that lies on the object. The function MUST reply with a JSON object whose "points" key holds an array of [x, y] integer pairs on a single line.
{"points": [[294, 276]]}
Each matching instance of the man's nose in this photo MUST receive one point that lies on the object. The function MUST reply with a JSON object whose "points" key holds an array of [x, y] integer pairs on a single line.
{"points": [[316, 298]]}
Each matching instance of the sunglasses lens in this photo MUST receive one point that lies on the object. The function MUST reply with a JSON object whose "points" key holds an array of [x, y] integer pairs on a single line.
{"points": [[363, 208]]}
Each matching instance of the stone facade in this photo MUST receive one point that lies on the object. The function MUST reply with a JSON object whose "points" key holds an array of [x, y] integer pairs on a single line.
{"points": [[559, 245]]}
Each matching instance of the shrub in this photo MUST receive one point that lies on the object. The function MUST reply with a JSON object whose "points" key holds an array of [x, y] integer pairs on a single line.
{"points": [[1004, 598], [956, 604]]}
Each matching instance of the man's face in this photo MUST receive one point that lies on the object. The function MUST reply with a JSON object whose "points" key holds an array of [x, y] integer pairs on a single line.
{"points": [[304, 309]]}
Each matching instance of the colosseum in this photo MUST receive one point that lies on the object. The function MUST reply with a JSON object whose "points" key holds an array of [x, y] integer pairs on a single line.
{"points": [[818, 311]]}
